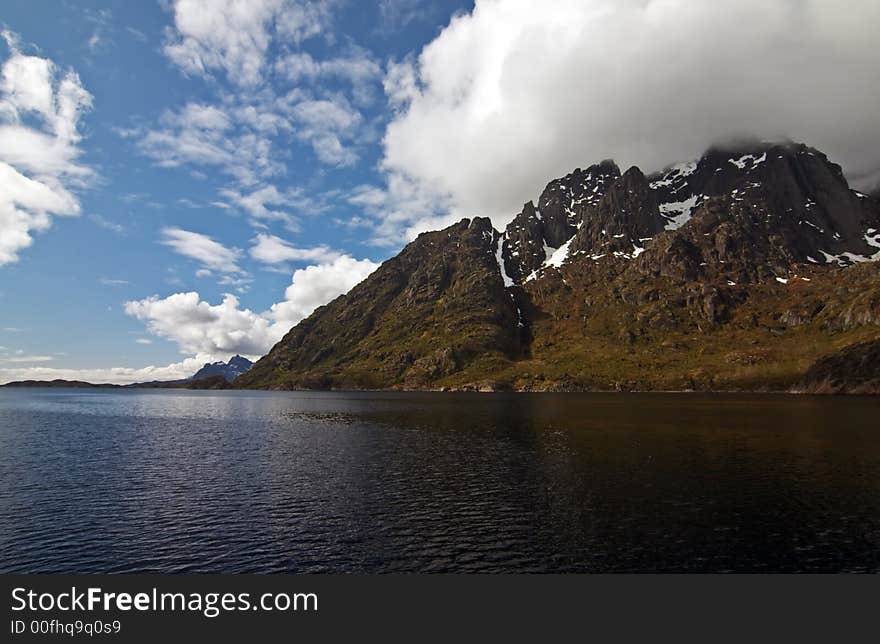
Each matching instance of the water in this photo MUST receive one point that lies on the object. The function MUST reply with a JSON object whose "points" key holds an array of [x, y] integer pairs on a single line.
{"points": [[180, 481]]}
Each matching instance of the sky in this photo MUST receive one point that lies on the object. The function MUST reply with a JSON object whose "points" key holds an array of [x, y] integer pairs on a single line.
{"points": [[184, 180]]}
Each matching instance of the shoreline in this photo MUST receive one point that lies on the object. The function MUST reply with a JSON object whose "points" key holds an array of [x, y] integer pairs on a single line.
{"points": [[794, 391]]}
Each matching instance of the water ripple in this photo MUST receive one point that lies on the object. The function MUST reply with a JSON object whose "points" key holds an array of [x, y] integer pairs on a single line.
{"points": [[170, 482]]}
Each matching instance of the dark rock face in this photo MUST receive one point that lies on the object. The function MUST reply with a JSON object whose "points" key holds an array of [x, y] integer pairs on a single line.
{"points": [[789, 190], [535, 233], [732, 271], [623, 220], [436, 309], [231, 370], [524, 247], [563, 201], [218, 381], [751, 215], [750, 211], [855, 369]]}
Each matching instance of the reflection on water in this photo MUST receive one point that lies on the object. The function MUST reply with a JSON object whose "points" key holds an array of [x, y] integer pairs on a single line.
{"points": [[178, 481]]}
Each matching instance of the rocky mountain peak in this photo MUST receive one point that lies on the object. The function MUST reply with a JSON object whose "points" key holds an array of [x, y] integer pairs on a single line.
{"points": [[787, 191], [524, 246], [536, 233], [563, 200], [757, 239], [760, 205], [236, 366]]}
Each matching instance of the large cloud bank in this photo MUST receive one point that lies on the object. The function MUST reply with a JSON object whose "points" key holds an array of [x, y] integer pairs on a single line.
{"points": [[517, 92]]}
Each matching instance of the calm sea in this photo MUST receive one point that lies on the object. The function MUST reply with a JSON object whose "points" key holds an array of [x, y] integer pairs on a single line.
{"points": [[181, 481]]}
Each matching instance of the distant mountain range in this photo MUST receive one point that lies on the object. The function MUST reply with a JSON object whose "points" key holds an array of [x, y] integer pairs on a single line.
{"points": [[215, 375], [751, 268], [231, 370]]}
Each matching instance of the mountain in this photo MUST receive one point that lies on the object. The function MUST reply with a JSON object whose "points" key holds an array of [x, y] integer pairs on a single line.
{"points": [[207, 382], [742, 270], [853, 369], [75, 384], [231, 370]]}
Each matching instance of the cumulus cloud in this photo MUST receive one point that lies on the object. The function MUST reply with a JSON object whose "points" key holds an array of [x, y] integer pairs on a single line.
{"points": [[200, 328], [316, 285], [510, 95], [233, 36], [221, 330], [40, 109], [212, 255]]}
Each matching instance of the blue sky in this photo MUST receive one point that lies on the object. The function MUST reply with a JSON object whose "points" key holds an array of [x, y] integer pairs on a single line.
{"points": [[183, 180], [62, 302]]}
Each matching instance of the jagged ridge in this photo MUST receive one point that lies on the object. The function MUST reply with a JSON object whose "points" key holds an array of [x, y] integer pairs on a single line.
{"points": [[231, 370], [615, 281]]}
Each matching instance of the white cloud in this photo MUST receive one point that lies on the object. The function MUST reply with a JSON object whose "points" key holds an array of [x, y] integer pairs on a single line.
{"points": [[224, 329], [257, 203], [213, 135], [234, 35], [359, 69], [247, 131], [113, 282], [40, 108], [137, 34], [325, 124], [299, 21], [402, 209], [510, 96], [316, 285], [211, 254], [204, 117], [270, 249], [105, 223], [239, 136], [400, 83], [27, 359], [112, 375], [396, 14], [201, 328], [101, 19], [143, 341]]}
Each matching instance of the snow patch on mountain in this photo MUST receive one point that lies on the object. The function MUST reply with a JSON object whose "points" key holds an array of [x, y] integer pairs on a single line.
{"points": [[560, 254], [749, 160], [679, 212], [675, 173], [499, 249]]}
